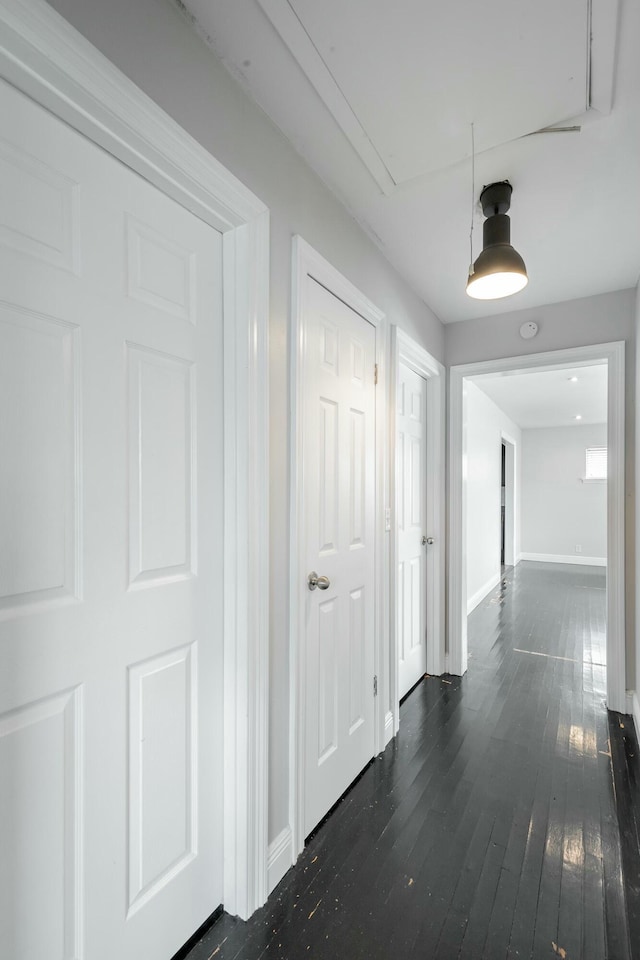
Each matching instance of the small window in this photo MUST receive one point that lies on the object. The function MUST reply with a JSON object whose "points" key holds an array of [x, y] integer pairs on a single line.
{"points": [[596, 463]]}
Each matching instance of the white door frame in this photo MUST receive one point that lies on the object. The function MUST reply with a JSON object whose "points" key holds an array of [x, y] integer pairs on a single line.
{"points": [[308, 263], [46, 58], [613, 354], [511, 495], [407, 351]]}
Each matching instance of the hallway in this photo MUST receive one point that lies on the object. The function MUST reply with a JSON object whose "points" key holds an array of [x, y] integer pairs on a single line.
{"points": [[487, 828]]}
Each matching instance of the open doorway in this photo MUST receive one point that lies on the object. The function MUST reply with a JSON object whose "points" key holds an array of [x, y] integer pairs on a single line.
{"points": [[545, 530], [552, 422], [508, 551]]}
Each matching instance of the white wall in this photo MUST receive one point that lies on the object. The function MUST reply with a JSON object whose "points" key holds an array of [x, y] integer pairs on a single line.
{"points": [[156, 46], [485, 425], [558, 510], [574, 323]]}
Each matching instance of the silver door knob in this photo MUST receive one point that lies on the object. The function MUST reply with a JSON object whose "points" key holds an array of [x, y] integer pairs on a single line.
{"points": [[322, 583], [427, 540]]}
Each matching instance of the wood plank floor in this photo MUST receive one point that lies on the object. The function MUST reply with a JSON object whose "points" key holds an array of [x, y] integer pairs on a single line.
{"points": [[625, 753], [487, 829]]}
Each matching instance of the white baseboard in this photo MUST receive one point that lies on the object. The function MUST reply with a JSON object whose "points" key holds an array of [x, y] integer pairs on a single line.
{"points": [[571, 558], [279, 857], [388, 727], [480, 594]]}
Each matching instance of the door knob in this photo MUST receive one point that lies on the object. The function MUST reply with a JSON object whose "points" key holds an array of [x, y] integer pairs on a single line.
{"points": [[314, 581], [427, 540]]}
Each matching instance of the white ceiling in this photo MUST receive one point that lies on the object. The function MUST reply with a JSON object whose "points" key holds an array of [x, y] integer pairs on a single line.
{"points": [[549, 398], [379, 98], [401, 56]]}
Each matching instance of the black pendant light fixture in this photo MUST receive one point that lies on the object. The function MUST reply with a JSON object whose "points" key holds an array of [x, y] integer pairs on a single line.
{"points": [[499, 271]]}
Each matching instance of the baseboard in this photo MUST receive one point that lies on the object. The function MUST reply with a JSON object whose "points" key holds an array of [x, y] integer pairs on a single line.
{"points": [[279, 858], [388, 727], [480, 594], [571, 558]]}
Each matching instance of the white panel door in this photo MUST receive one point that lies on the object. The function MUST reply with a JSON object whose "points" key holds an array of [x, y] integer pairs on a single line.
{"points": [[110, 565], [411, 481], [339, 504]]}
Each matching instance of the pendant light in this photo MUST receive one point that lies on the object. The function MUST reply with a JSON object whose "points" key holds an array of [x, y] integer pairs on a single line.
{"points": [[499, 271]]}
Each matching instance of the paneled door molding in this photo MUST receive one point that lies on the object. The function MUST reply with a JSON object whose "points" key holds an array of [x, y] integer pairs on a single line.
{"points": [[405, 350], [613, 355], [46, 58], [308, 263]]}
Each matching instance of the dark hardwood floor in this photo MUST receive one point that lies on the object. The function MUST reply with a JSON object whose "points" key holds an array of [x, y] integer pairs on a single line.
{"points": [[625, 755], [487, 829]]}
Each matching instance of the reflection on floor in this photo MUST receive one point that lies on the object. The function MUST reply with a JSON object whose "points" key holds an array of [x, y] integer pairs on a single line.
{"points": [[488, 828]]}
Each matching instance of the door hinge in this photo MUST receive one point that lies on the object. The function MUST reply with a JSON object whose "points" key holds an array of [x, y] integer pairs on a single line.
{"points": [[375, 374], [375, 686]]}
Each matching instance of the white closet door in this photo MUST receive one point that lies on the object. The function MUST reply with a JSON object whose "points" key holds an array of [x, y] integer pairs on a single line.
{"points": [[339, 469], [111, 553], [411, 511]]}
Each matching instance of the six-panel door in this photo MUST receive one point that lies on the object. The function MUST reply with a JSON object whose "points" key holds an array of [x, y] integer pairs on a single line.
{"points": [[111, 553], [339, 504]]}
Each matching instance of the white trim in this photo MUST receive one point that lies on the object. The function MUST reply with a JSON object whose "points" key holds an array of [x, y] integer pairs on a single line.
{"points": [[307, 262], [389, 727], [280, 857], [246, 553], [613, 355], [292, 32], [405, 350], [601, 50], [634, 710], [604, 26], [42, 55], [569, 558], [512, 499], [484, 590], [457, 652]]}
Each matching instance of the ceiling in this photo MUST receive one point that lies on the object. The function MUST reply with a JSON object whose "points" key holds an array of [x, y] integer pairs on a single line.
{"points": [[549, 398], [380, 98]]}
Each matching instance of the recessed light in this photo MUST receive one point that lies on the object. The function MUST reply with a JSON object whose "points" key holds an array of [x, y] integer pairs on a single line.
{"points": [[573, 379], [578, 416]]}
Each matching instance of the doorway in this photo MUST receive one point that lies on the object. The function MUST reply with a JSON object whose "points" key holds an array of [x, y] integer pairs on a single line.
{"points": [[508, 535], [338, 549], [428, 482], [414, 538], [612, 355], [47, 60]]}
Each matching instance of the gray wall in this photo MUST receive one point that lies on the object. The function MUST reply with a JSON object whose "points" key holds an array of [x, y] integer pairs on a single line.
{"points": [[154, 44], [558, 510], [637, 585], [574, 323]]}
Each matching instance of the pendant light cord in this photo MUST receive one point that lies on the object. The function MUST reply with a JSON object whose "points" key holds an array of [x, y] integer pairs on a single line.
{"points": [[473, 194]]}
